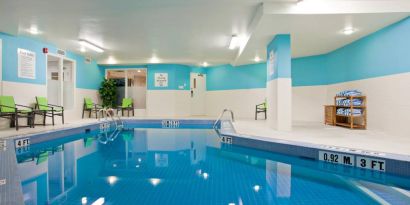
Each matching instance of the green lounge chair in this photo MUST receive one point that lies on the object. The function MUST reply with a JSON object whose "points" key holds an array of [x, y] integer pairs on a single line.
{"points": [[128, 105], [91, 107], [260, 108], [9, 110], [48, 110]]}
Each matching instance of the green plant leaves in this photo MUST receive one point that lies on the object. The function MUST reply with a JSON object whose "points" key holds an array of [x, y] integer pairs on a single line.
{"points": [[108, 92]]}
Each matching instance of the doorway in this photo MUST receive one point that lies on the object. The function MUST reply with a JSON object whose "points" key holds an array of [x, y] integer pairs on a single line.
{"points": [[198, 89], [131, 83], [61, 81]]}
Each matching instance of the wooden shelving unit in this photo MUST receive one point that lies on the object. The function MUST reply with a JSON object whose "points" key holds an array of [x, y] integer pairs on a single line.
{"points": [[351, 121]]}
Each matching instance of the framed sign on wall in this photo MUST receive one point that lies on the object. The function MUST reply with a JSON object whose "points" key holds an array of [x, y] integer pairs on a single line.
{"points": [[26, 64], [161, 79]]}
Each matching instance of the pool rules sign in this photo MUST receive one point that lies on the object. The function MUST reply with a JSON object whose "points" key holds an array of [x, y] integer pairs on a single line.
{"points": [[161, 79], [26, 66]]}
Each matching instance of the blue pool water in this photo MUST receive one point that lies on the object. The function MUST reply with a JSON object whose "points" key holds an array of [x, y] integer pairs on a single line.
{"points": [[187, 166]]}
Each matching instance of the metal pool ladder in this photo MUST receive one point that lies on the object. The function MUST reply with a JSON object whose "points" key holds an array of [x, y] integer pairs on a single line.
{"points": [[221, 115], [119, 126]]}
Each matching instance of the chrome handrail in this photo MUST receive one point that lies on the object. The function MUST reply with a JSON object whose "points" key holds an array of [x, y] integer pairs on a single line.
{"points": [[221, 115], [119, 125]]}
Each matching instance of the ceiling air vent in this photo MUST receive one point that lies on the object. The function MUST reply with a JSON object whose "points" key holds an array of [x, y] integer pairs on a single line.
{"points": [[88, 60], [61, 52]]}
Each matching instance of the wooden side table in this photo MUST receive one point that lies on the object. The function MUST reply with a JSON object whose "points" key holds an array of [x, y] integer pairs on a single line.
{"points": [[330, 113]]}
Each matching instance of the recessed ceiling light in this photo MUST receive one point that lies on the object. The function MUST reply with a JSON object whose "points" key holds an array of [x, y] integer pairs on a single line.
{"points": [[154, 59], [34, 30], [111, 60], [205, 64], [257, 59], [348, 31], [90, 46], [82, 49], [299, 2]]}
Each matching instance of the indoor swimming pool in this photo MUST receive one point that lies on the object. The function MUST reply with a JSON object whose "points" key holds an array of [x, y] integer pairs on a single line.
{"points": [[187, 166]]}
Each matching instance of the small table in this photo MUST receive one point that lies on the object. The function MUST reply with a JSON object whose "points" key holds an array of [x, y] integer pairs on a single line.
{"points": [[330, 115]]}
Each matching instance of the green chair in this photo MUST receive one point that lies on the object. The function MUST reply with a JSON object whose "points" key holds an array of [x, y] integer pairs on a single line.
{"points": [[260, 108], [9, 110], [48, 110], [128, 105], [91, 107]]}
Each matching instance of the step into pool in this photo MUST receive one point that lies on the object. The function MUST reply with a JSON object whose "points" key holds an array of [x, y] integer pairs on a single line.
{"points": [[187, 166]]}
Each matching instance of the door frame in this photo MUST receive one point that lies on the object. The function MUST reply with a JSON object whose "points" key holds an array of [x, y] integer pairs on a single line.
{"points": [[190, 90], [126, 77], [60, 77]]}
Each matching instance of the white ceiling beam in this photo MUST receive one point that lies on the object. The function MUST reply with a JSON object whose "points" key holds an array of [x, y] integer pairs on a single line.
{"points": [[337, 7], [256, 19]]}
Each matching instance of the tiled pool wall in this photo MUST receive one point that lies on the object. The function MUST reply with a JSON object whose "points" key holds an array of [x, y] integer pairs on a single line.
{"points": [[394, 164], [161, 123]]}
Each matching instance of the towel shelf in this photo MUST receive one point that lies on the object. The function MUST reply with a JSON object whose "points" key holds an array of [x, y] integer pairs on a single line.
{"points": [[351, 121]]}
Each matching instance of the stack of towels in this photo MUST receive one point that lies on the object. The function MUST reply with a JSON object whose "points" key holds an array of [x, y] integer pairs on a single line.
{"points": [[348, 93], [348, 102], [348, 112]]}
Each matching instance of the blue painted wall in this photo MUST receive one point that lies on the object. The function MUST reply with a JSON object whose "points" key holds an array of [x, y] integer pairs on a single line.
{"points": [[178, 75], [88, 76], [227, 77], [309, 71], [280, 46], [382, 53], [385, 52]]}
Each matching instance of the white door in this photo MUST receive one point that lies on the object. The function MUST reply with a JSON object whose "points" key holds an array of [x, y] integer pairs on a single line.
{"points": [[198, 88]]}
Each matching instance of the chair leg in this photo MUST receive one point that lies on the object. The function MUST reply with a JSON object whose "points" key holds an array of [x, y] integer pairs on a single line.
{"points": [[133, 112], [89, 114], [62, 116], [33, 120], [256, 115], [265, 114], [83, 114], [17, 122], [12, 121], [52, 116], [44, 118]]}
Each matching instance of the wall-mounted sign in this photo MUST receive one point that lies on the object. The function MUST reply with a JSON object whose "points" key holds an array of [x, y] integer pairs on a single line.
{"points": [[26, 64], [161, 79], [271, 63]]}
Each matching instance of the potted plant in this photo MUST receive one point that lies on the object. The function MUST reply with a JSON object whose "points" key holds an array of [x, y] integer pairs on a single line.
{"points": [[108, 93]]}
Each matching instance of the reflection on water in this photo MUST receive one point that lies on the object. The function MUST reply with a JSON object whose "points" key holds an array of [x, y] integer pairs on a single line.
{"points": [[173, 166]]}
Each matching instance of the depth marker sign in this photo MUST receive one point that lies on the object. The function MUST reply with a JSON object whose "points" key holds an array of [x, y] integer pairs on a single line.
{"points": [[352, 160]]}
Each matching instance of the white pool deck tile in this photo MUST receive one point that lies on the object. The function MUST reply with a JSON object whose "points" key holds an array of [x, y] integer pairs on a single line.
{"points": [[320, 134], [305, 132]]}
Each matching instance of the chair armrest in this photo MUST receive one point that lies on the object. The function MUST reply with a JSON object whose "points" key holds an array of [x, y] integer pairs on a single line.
{"points": [[51, 105], [25, 106]]}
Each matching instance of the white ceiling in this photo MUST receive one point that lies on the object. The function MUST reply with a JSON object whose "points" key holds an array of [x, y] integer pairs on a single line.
{"points": [[189, 31], [313, 34]]}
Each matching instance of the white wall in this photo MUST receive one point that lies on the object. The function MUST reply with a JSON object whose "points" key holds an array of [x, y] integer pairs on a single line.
{"points": [[279, 103], [388, 101], [307, 103], [242, 101], [168, 103]]}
